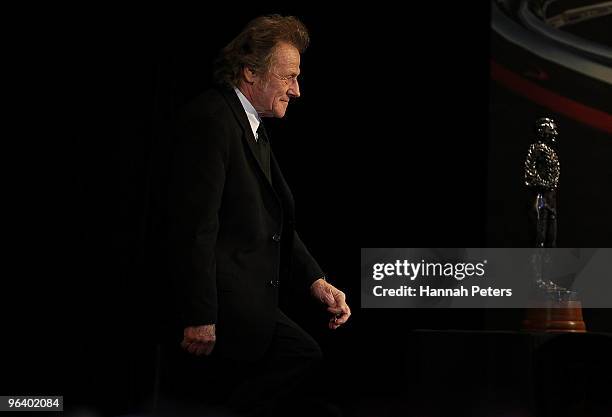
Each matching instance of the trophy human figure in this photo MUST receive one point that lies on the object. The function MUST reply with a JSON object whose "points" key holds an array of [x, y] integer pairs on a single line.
{"points": [[561, 311], [542, 170]]}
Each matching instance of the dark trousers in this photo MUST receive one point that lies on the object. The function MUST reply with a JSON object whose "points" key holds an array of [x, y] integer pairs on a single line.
{"points": [[271, 386]]}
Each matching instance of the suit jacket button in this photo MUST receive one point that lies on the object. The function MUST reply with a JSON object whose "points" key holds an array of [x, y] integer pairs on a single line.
{"points": [[276, 237]]}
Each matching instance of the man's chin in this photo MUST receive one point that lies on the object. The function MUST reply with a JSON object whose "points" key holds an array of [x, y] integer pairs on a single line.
{"points": [[280, 109]]}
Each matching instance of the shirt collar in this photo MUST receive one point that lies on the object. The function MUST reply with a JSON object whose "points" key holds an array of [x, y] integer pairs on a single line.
{"points": [[250, 111]]}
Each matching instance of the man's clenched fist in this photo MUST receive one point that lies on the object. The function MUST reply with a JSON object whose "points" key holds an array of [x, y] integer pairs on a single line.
{"points": [[335, 301], [199, 339]]}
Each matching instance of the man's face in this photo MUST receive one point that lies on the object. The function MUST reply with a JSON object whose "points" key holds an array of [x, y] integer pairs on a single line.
{"points": [[273, 90]]}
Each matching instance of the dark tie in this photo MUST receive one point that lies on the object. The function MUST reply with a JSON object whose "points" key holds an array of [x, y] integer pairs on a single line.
{"points": [[263, 150]]}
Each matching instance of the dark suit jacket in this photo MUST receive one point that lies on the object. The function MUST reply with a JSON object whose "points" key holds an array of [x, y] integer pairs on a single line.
{"points": [[233, 238]]}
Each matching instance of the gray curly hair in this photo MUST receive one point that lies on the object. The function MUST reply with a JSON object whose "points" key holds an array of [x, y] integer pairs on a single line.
{"points": [[254, 46]]}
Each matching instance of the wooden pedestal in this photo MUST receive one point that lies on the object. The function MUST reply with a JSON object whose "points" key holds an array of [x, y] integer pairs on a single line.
{"points": [[555, 317]]}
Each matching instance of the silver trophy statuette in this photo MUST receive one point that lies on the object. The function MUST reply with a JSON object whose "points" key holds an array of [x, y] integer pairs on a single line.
{"points": [[542, 170], [555, 307]]}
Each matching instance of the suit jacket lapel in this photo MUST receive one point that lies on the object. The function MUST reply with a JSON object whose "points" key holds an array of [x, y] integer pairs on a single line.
{"points": [[248, 136], [281, 187]]}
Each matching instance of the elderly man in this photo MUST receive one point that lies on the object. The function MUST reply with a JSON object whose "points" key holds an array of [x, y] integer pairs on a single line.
{"points": [[233, 232]]}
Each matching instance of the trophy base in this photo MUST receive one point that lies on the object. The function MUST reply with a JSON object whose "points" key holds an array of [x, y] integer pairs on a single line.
{"points": [[555, 317]]}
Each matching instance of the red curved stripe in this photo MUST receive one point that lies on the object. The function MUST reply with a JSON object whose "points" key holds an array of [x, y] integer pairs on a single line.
{"points": [[563, 105]]}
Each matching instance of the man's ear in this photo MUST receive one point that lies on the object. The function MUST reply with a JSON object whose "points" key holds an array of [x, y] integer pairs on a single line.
{"points": [[249, 75]]}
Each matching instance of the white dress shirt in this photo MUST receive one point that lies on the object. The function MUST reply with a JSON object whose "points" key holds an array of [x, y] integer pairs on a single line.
{"points": [[250, 111]]}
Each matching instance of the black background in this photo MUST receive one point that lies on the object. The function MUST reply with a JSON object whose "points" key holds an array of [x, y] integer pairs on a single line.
{"points": [[387, 147]]}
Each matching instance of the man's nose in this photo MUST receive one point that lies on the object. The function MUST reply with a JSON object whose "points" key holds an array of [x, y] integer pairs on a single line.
{"points": [[294, 90]]}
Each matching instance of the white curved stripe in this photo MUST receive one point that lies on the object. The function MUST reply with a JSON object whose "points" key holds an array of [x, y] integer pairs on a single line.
{"points": [[580, 14], [567, 39], [547, 49]]}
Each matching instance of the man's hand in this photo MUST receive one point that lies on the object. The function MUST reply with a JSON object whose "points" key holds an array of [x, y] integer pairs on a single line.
{"points": [[334, 299], [199, 339]]}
